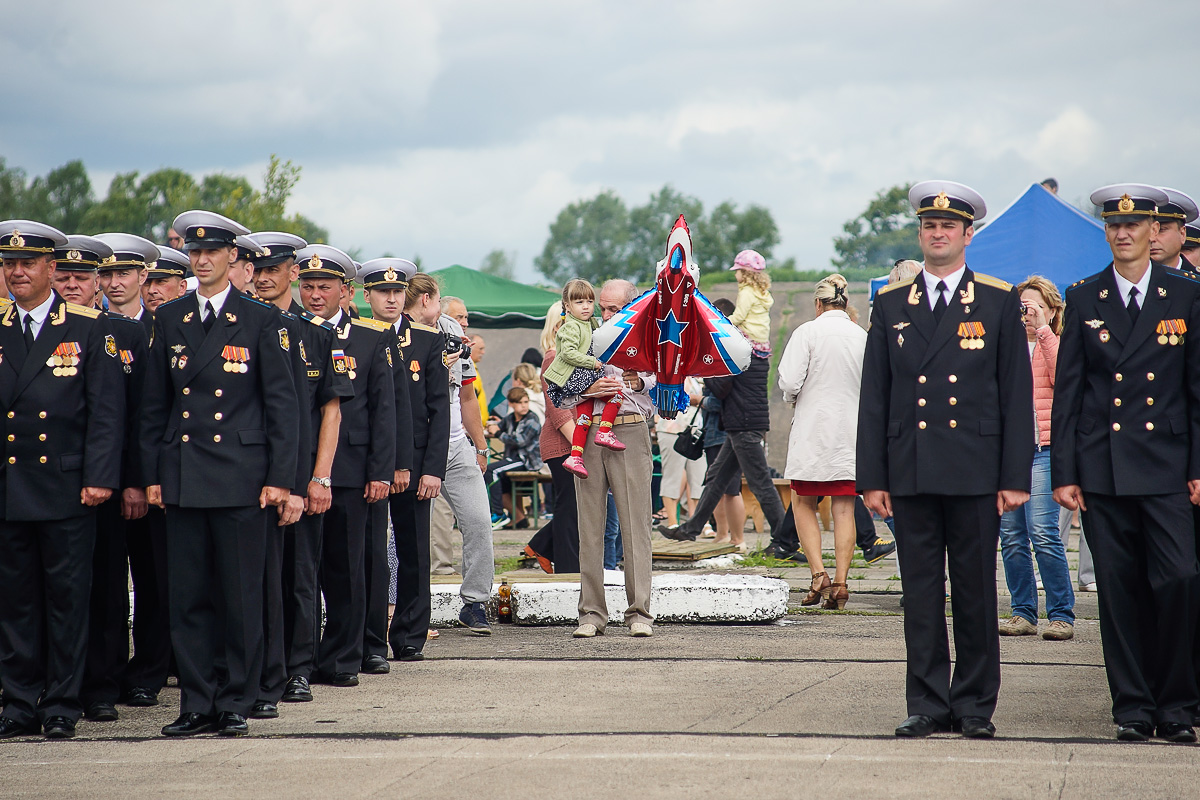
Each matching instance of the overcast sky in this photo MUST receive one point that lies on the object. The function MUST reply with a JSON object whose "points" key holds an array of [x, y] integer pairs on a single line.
{"points": [[447, 129]]}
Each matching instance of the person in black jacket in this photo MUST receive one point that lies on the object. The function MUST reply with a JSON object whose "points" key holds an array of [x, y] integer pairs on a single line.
{"points": [[219, 447], [62, 411], [745, 418]]}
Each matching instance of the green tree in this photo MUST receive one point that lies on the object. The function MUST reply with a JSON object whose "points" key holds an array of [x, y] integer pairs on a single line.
{"points": [[649, 226], [500, 263], [61, 198], [12, 191], [728, 231], [884, 232], [589, 239]]}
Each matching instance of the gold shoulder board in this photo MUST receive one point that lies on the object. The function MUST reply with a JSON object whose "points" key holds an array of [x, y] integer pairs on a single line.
{"points": [[82, 311], [897, 285], [374, 324], [996, 283], [421, 327]]}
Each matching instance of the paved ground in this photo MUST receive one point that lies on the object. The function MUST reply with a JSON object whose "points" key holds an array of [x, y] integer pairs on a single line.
{"points": [[801, 708]]}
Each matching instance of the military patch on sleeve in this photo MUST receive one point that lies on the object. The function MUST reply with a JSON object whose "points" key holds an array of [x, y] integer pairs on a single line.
{"points": [[303, 355], [284, 343], [110, 345], [339, 362], [388, 353]]}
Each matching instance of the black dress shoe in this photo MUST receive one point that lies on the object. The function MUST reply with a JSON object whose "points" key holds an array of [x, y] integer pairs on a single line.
{"points": [[677, 533], [231, 724], [190, 724], [1175, 732], [264, 709], [1136, 731], [59, 728], [375, 665], [410, 654], [141, 697], [297, 690], [976, 727], [10, 728], [101, 711], [919, 726], [343, 679]]}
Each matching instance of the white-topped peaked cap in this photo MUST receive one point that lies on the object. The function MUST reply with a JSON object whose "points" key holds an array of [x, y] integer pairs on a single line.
{"points": [[24, 238], [323, 259], [386, 273], [82, 254], [129, 250], [207, 230], [1128, 202], [947, 199], [277, 247], [1179, 206]]}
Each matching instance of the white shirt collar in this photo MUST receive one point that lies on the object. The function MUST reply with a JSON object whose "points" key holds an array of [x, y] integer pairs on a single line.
{"points": [[1124, 285], [217, 301], [140, 313], [39, 313], [336, 319], [952, 281]]}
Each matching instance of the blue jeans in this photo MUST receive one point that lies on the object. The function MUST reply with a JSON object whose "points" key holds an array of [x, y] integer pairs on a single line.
{"points": [[1036, 522], [614, 552]]}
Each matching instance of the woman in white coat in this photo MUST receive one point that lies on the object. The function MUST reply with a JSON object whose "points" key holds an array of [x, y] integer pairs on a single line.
{"points": [[820, 374]]}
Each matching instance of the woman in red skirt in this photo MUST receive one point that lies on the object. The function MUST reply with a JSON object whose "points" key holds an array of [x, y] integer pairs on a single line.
{"points": [[820, 374]]}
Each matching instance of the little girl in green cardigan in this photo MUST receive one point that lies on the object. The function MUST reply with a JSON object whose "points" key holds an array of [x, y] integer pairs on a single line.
{"points": [[574, 369]]}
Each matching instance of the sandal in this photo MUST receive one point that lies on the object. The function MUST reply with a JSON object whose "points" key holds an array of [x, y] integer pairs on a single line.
{"points": [[819, 590]]}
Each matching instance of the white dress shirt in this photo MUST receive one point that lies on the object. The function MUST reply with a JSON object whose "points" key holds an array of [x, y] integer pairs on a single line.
{"points": [[1123, 286], [952, 280], [38, 314], [217, 301]]}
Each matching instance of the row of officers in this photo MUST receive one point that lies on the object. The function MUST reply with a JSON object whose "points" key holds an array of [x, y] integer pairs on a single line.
{"points": [[235, 453]]}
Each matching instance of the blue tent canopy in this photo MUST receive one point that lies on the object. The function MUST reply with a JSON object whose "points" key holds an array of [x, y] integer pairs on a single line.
{"points": [[1039, 234]]}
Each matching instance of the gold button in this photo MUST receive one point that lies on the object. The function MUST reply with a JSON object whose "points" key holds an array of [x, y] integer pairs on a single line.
{"points": [[217, 438], [953, 401], [42, 437], [12, 414], [1117, 402], [921, 379], [921, 424], [186, 390], [1149, 426], [1149, 376], [42, 459], [1116, 426], [1119, 376], [954, 379], [12, 459], [921, 402], [184, 437], [12, 438], [953, 423], [186, 414], [1149, 401], [41, 415], [218, 416], [218, 393]]}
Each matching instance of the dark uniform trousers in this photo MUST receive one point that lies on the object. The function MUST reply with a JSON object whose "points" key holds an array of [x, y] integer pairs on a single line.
{"points": [[218, 425], [108, 621], [302, 594], [146, 542], [945, 422], [366, 452], [1127, 431], [424, 379], [60, 430], [379, 577]]}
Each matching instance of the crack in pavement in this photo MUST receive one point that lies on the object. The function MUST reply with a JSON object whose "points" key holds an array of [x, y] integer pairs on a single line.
{"points": [[787, 697]]}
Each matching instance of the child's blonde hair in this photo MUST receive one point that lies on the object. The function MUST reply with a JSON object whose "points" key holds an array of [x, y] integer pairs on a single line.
{"points": [[525, 374], [577, 289], [758, 280]]}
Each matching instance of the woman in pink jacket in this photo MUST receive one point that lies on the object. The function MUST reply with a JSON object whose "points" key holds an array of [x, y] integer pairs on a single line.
{"points": [[1036, 522]]}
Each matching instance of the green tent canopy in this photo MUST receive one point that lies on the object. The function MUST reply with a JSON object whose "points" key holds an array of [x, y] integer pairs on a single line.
{"points": [[495, 302]]}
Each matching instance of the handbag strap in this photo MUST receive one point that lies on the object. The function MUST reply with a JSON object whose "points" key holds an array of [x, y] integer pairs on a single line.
{"points": [[692, 422]]}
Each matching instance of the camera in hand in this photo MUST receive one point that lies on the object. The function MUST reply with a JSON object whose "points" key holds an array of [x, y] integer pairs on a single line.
{"points": [[458, 344]]}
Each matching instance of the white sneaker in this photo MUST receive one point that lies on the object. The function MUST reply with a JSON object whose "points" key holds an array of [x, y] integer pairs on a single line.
{"points": [[1087, 587], [640, 629], [585, 631]]}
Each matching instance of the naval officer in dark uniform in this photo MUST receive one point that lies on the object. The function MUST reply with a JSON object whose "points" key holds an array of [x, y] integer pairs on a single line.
{"points": [[1173, 217], [364, 464], [945, 445], [429, 400], [77, 280], [274, 272], [145, 536], [1126, 451], [62, 412], [219, 449]]}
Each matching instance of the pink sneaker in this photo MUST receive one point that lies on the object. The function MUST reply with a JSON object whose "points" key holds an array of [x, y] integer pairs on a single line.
{"points": [[574, 465], [605, 438]]}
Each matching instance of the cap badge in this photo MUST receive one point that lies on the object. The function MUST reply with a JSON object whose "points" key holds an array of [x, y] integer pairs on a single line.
{"points": [[113, 259], [314, 262], [200, 232], [17, 240], [74, 255], [266, 251], [390, 275], [1125, 205], [941, 201]]}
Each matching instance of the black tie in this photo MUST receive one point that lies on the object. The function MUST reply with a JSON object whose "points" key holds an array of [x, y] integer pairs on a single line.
{"points": [[207, 317], [939, 308], [29, 333], [1133, 308]]}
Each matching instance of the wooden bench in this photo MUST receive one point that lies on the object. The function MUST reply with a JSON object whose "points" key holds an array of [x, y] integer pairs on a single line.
{"points": [[528, 484], [784, 487]]}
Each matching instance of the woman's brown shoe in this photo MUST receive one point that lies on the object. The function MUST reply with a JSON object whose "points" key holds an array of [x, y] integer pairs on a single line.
{"points": [[837, 596], [819, 590]]}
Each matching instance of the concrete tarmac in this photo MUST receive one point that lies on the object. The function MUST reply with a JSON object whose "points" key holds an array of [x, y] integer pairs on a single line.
{"points": [[801, 708]]}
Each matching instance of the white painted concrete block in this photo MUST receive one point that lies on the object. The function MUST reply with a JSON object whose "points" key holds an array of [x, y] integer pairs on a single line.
{"points": [[673, 598]]}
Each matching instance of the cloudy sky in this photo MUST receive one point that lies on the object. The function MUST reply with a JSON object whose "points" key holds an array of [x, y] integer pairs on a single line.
{"points": [[447, 129]]}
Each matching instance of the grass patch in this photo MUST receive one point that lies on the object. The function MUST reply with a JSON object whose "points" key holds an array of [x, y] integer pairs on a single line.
{"points": [[895, 577], [858, 576], [508, 564]]}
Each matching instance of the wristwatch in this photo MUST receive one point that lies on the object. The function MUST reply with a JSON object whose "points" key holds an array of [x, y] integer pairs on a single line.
{"points": [[481, 451], [325, 482]]}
